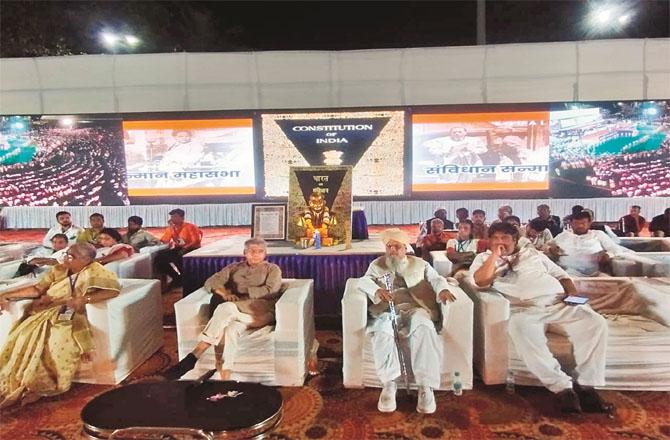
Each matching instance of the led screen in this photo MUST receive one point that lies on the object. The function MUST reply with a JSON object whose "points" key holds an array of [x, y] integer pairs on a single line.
{"points": [[371, 141], [189, 157], [480, 151], [60, 161]]}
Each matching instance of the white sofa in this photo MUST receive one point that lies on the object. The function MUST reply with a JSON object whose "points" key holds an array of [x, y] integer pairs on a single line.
{"points": [[136, 266], [152, 251], [638, 347], [270, 355], [456, 335], [441, 263], [642, 264], [126, 329]]}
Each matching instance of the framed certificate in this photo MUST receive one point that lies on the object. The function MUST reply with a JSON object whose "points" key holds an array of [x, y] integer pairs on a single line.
{"points": [[268, 221]]}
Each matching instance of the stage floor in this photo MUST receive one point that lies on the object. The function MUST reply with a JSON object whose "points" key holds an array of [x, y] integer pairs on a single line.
{"points": [[329, 267]]}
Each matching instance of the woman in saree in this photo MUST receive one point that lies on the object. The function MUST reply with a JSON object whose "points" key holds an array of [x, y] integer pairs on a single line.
{"points": [[111, 247], [44, 349]]}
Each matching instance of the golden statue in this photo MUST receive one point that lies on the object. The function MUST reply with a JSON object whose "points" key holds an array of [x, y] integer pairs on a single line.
{"points": [[317, 217]]}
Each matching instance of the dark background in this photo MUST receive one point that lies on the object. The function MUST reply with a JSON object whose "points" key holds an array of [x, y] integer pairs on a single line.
{"points": [[47, 28]]}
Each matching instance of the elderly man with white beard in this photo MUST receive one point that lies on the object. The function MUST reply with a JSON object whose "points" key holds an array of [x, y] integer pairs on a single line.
{"points": [[415, 284]]}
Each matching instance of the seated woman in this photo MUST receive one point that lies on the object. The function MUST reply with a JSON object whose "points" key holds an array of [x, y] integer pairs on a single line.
{"points": [[112, 249], [244, 296], [462, 250], [44, 349]]}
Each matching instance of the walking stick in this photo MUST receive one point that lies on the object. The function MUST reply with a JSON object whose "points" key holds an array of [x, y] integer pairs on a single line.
{"points": [[387, 281]]}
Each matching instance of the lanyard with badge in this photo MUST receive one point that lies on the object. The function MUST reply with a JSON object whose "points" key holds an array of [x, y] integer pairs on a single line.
{"points": [[66, 312], [462, 245]]}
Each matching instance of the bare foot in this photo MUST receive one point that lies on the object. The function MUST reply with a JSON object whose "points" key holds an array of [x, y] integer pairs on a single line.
{"points": [[225, 374]]}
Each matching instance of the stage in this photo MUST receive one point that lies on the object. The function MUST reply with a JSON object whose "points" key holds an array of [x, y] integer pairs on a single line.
{"points": [[329, 267]]}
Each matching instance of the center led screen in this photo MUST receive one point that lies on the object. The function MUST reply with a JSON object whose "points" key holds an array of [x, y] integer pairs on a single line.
{"points": [[480, 151], [189, 157], [371, 141]]}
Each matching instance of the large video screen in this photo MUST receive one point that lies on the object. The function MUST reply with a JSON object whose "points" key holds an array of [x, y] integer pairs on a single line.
{"points": [[189, 157], [371, 141], [617, 149], [49, 161], [480, 151]]}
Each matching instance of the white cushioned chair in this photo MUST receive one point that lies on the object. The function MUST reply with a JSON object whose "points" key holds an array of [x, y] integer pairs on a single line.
{"points": [[126, 329], [638, 347], [152, 251], [136, 266], [642, 264], [456, 335], [272, 355], [441, 263]]}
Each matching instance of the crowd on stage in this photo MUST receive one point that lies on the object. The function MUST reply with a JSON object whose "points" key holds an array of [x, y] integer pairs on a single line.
{"points": [[71, 167], [532, 265]]}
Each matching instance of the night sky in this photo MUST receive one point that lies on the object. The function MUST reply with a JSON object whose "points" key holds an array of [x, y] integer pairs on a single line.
{"points": [[38, 28]]}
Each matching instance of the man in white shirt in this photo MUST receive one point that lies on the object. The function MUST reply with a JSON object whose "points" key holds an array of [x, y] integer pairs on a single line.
{"points": [[64, 226], [583, 251], [417, 291], [536, 287]]}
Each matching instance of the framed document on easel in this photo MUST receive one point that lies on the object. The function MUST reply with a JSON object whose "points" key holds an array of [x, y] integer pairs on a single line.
{"points": [[268, 221]]}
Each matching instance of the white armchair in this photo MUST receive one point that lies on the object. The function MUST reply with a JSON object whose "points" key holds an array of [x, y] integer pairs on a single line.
{"points": [[136, 266], [270, 355], [441, 263], [638, 346], [456, 336], [152, 251], [126, 329], [642, 264]]}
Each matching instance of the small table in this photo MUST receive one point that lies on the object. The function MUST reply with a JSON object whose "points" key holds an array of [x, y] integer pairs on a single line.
{"points": [[224, 409]]}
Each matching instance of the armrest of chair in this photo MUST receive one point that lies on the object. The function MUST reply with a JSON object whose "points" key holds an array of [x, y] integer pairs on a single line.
{"points": [[441, 263], [191, 314], [127, 327], [8, 269], [648, 297], [456, 333], [634, 264], [491, 314], [354, 323], [294, 313], [135, 266], [152, 249]]}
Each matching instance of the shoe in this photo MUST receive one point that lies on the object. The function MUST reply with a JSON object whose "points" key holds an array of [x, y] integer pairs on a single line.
{"points": [[387, 397], [569, 402], [426, 403], [183, 366], [591, 401]]}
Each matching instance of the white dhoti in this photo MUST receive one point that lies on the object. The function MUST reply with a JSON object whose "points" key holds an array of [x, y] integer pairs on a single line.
{"points": [[586, 330], [418, 332], [226, 325]]}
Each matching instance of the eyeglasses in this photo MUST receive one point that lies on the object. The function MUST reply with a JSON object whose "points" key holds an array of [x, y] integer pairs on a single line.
{"points": [[69, 256]]}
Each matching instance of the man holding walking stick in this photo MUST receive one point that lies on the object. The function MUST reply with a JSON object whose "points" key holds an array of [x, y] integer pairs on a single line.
{"points": [[414, 284]]}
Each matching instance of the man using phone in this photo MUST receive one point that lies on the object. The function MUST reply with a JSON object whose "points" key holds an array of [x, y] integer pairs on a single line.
{"points": [[535, 288]]}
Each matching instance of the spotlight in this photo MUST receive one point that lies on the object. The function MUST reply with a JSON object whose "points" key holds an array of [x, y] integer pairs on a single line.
{"points": [[624, 19], [109, 39], [131, 40]]}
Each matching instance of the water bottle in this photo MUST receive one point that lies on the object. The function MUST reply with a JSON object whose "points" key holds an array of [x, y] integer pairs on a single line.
{"points": [[456, 384], [317, 239], [509, 382]]}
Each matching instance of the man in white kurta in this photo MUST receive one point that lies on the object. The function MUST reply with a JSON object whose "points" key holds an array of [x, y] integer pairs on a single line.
{"points": [[64, 226], [582, 251], [535, 287], [415, 284]]}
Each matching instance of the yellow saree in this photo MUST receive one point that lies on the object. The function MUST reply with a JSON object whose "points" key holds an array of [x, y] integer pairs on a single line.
{"points": [[42, 353]]}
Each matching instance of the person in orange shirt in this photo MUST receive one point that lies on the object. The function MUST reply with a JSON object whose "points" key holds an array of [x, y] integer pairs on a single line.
{"points": [[182, 237]]}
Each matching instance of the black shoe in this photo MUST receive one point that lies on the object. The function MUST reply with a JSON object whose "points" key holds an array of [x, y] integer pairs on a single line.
{"points": [[591, 401], [183, 366], [569, 402]]}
